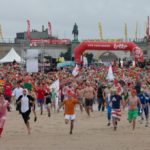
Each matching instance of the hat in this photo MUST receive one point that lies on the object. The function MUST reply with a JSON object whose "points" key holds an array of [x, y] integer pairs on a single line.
{"points": [[70, 93], [25, 90]]}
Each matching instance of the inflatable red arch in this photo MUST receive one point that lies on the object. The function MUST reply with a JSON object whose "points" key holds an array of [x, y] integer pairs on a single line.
{"points": [[120, 46]]}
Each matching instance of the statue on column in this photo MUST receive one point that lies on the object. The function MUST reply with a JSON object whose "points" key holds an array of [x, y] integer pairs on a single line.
{"points": [[75, 32]]}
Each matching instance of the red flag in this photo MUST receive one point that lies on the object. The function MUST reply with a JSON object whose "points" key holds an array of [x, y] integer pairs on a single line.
{"points": [[28, 29], [49, 29]]}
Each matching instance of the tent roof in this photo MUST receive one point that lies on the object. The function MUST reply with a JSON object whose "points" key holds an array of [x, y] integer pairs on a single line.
{"points": [[11, 56]]}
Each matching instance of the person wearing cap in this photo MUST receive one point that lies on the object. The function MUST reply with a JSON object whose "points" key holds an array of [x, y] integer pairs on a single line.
{"points": [[115, 99], [69, 106], [26, 102], [133, 102], [3, 112]]}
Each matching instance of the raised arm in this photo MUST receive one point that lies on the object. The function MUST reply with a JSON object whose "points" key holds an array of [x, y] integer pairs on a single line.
{"points": [[19, 99], [60, 106]]}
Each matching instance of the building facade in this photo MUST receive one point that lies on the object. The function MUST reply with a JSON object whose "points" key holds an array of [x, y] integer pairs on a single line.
{"points": [[54, 49]]}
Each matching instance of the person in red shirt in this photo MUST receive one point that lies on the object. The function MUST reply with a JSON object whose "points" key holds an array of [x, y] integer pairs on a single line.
{"points": [[8, 91], [40, 96], [69, 106]]}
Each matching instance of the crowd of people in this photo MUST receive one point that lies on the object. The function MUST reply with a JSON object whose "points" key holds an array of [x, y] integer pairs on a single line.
{"points": [[27, 91]]}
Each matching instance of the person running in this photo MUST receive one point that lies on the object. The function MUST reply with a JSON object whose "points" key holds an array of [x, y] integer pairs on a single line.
{"points": [[32, 93], [48, 102], [115, 99], [108, 104], [100, 98], [26, 101], [8, 92], [3, 112], [133, 102], [89, 93], [69, 106], [40, 97], [144, 99], [79, 93]]}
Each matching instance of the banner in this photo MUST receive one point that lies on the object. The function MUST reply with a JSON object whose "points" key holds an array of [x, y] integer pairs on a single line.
{"points": [[32, 65]]}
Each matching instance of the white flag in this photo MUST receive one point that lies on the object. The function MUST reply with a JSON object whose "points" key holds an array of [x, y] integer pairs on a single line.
{"points": [[55, 85], [110, 75], [75, 71]]}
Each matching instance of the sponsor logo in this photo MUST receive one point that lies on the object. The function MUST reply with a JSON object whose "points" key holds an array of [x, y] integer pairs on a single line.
{"points": [[120, 46]]}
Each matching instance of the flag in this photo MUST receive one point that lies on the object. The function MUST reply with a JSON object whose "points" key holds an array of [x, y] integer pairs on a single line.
{"points": [[110, 75], [75, 71], [136, 31], [49, 29], [28, 30], [100, 30], [55, 85], [126, 31], [147, 27]]}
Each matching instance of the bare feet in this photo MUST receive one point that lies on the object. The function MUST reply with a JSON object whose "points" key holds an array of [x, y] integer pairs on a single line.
{"points": [[70, 132], [35, 119], [29, 131]]}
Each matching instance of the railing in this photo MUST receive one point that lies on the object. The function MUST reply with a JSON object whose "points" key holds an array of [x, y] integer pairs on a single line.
{"points": [[138, 40]]}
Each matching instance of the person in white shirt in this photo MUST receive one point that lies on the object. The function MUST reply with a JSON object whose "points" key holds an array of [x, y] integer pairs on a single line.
{"points": [[16, 93], [26, 101]]}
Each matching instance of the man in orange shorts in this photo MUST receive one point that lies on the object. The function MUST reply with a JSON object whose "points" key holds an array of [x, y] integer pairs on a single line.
{"points": [[69, 105]]}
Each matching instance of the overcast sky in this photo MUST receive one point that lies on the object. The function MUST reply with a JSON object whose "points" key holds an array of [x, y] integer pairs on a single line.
{"points": [[64, 13]]}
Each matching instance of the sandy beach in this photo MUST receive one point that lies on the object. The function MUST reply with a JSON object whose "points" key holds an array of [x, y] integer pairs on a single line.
{"points": [[89, 133]]}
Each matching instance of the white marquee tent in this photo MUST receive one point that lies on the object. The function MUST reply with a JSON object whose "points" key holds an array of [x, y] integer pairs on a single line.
{"points": [[11, 56]]}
